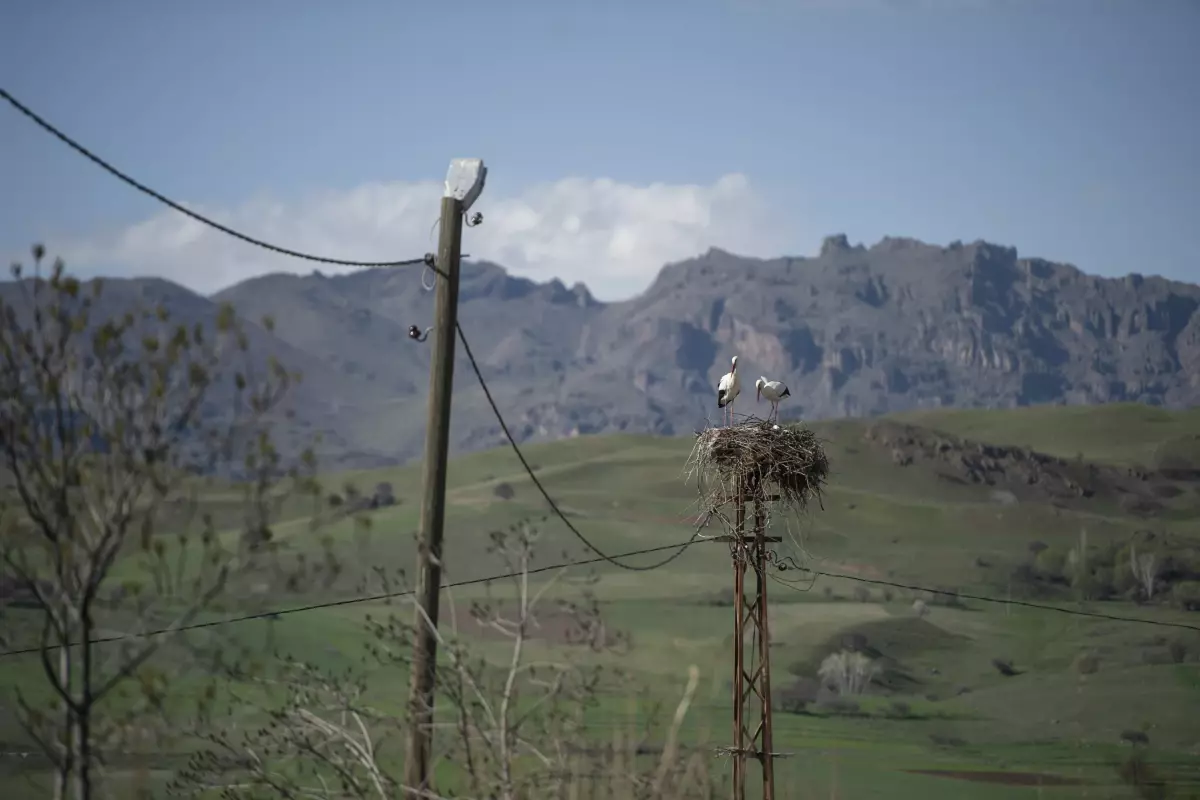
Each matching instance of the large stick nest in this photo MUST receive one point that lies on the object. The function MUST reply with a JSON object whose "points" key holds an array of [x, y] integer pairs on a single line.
{"points": [[759, 457]]}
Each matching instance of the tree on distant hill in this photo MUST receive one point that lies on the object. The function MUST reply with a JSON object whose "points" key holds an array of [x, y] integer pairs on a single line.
{"points": [[848, 673], [109, 426], [1145, 568]]}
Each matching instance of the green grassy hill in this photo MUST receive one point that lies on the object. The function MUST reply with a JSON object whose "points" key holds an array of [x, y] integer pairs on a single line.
{"points": [[940, 704]]}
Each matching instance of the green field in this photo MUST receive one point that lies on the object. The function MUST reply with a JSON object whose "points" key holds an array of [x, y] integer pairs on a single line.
{"points": [[942, 704]]}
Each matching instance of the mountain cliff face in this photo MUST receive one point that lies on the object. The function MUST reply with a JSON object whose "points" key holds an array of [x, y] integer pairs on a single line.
{"points": [[855, 331]]}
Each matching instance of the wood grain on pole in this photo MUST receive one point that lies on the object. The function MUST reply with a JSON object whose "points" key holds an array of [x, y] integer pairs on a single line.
{"points": [[433, 503]]}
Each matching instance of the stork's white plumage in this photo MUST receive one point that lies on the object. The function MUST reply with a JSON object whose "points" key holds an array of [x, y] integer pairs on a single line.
{"points": [[774, 391], [728, 390]]}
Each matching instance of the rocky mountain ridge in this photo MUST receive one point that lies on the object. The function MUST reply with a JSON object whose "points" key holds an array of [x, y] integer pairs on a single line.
{"points": [[854, 331]]}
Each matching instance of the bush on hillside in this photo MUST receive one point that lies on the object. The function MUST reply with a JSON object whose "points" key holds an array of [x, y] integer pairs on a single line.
{"points": [[384, 496], [1179, 458], [1005, 667], [1087, 663], [1137, 773], [838, 706], [1051, 564], [797, 695], [1186, 595], [504, 491], [1106, 572]]}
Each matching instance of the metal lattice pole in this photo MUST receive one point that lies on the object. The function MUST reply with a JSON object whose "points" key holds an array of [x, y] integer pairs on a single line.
{"points": [[751, 676]]}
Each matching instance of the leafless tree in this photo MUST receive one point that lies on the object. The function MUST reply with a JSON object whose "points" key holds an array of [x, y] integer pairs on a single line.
{"points": [[108, 427], [1145, 570], [512, 726], [849, 673]]}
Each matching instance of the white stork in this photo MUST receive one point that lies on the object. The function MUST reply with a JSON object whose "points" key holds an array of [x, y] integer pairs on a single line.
{"points": [[774, 391], [728, 390]]}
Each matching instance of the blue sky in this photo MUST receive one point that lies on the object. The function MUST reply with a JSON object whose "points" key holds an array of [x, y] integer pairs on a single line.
{"points": [[618, 135]]}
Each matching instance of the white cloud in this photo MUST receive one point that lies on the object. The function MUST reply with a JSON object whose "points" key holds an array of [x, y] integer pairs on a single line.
{"points": [[612, 236]]}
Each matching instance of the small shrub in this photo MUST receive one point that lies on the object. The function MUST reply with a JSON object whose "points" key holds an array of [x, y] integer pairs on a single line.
{"points": [[1178, 651], [384, 496], [1136, 773], [1167, 491], [1179, 458], [855, 642], [1157, 657], [1005, 667], [504, 491], [862, 594], [888, 595], [1087, 663], [839, 706], [828, 592], [1186, 595], [796, 696], [946, 740], [948, 598], [899, 709], [1135, 737], [1051, 564]]}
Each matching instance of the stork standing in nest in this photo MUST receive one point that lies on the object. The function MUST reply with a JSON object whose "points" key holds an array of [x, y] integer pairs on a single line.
{"points": [[728, 390], [774, 391]]}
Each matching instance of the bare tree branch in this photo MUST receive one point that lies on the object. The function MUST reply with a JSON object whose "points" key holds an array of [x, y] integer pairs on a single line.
{"points": [[113, 418]]}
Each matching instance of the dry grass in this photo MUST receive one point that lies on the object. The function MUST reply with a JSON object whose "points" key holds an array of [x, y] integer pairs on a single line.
{"points": [[761, 459]]}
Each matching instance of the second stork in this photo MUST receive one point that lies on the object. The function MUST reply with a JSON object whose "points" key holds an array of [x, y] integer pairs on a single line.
{"points": [[774, 391]]}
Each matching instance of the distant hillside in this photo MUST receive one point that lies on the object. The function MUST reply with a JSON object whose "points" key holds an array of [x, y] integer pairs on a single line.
{"points": [[855, 331]]}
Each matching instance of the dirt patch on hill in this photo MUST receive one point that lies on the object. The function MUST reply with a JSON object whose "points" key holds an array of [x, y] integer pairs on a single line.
{"points": [[1003, 778], [553, 625], [1024, 474]]}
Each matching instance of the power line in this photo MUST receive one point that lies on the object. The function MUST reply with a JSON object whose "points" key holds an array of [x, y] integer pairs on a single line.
{"points": [[550, 500], [141, 187], [788, 563], [608, 559], [336, 603]]}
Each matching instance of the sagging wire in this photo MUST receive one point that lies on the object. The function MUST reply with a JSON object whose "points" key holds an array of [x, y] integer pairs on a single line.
{"points": [[784, 563]]}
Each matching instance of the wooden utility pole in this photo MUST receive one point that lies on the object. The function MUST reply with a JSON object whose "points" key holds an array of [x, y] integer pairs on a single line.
{"points": [[464, 182]]}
